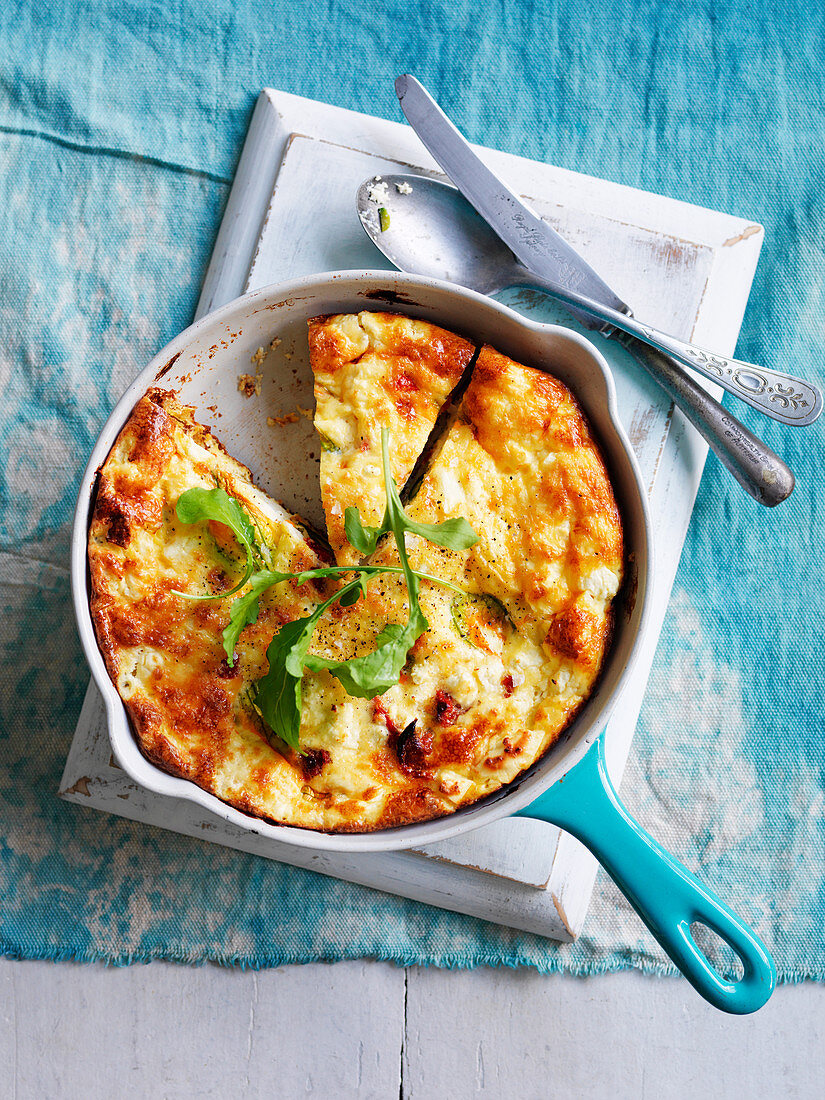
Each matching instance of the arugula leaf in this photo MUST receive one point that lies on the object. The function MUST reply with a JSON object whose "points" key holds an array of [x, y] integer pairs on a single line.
{"points": [[196, 505], [397, 520], [279, 691], [363, 538], [378, 671], [244, 610], [455, 534]]}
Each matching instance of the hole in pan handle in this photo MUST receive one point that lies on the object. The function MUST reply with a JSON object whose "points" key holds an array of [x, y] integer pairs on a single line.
{"points": [[664, 893]]}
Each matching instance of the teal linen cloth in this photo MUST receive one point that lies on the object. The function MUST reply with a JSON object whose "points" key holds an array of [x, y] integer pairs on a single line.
{"points": [[120, 127]]}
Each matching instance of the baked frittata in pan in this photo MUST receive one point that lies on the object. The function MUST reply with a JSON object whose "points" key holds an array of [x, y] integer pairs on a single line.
{"points": [[510, 556]]}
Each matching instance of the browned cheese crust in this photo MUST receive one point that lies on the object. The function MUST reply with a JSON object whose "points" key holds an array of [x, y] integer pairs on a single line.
{"points": [[190, 710]]}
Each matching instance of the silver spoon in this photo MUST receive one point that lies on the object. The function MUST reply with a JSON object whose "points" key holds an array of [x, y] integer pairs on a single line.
{"points": [[433, 230]]}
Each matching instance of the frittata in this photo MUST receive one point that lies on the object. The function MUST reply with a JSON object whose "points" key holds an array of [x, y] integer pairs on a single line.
{"points": [[505, 666], [506, 661]]}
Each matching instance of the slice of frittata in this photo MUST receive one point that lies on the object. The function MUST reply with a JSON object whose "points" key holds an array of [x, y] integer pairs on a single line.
{"points": [[374, 371]]}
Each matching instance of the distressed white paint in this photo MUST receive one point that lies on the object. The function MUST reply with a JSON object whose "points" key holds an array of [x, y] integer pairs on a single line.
{"points": [[70, 1030], [688, 270], [360, 1031], [615, 1037]]}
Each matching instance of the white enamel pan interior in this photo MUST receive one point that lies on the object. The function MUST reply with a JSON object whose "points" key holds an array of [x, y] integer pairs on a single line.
{"points": [[202, 366]]}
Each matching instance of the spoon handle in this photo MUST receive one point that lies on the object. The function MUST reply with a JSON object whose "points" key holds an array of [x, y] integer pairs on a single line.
{"points": [[783, 397], [757, 469]]}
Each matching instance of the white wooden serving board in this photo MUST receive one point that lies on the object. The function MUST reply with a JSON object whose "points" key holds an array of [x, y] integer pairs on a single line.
{"points": [[687, 270]]}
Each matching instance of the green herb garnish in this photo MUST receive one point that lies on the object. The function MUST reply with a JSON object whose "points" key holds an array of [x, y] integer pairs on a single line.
{"points": [[278, 695], [279, 692], [244, 610], [216, 504], [375, 672], [455, 534]]}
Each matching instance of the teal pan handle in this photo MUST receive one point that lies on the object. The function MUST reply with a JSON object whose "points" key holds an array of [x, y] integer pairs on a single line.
{"points": [[665, 895]]}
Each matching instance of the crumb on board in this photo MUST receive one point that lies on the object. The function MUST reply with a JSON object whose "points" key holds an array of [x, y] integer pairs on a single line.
{"points": [[258, 357], [275, 343], [281, 421], [305, 412], [403, 188]]}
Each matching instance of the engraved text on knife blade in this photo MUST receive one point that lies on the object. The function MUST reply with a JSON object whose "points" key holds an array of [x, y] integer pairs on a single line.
{"points": [[566, 273]]}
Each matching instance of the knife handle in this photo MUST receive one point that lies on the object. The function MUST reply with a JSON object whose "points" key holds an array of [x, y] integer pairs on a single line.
{"points": [[757, 469]]}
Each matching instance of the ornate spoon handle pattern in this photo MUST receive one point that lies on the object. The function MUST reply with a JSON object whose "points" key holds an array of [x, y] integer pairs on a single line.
{"points": [[780, 396], [757, 469]]}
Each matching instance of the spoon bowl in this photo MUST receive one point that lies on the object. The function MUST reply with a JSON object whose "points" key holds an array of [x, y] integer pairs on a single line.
{"points": [[434, 231], [429, 228]]}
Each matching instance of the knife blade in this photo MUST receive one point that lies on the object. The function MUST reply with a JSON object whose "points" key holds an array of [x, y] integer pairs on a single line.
{"points": [[534, 243]]}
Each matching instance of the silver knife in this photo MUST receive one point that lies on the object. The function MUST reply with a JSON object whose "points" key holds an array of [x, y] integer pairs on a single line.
{"points": [[559, 269]]}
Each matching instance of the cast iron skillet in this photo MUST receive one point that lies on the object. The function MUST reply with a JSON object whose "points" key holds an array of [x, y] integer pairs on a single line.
{"points": [[569, 786]]}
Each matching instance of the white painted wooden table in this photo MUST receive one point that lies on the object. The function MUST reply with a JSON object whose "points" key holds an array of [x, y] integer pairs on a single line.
{"points": [[370, 1030]]}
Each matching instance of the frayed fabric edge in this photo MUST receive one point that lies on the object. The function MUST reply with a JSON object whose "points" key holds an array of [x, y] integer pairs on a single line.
{"points": [[446, 961]]}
